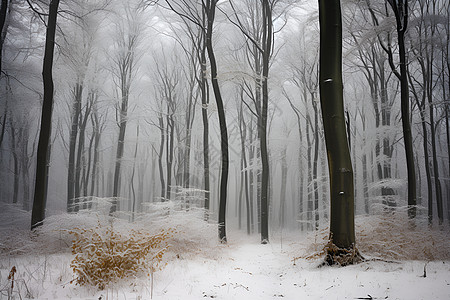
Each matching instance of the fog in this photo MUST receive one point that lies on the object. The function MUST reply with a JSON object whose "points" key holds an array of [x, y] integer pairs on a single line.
{"points": [[109, 51]]}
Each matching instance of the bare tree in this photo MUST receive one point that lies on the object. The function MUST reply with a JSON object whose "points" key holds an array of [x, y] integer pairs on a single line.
{"points": [[125, 61], [259, 32]]}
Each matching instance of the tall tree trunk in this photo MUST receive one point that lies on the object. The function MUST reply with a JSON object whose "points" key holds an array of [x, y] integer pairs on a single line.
{"points": [[76, 110], [421, 105], [25, 163], [400, 8], [244, 166], [315, 164], [120, 150], [16, 169], [169, 152], [205, 102], [386, 192], [251, 177], [429, 93], [342, 220], [310, 204], [211, 10], [43, 152], [160, 157], [133, 204], [284, 169]]}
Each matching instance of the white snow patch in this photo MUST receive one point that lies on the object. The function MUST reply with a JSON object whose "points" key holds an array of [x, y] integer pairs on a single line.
{"points": [[245, 269]]}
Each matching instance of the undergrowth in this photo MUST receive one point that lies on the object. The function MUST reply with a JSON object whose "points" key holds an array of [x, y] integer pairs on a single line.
{"points": [[104, 255], [389, 236]]}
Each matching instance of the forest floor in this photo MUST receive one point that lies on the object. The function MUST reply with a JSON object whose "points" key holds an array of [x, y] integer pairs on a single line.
{"points": [[286, 268]]}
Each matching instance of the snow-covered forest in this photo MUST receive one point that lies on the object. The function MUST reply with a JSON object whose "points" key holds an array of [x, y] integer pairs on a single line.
{"points": [[183, 149]]}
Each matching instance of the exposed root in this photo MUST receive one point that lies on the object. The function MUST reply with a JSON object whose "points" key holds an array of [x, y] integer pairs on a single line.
{"points": [[340, 256]]}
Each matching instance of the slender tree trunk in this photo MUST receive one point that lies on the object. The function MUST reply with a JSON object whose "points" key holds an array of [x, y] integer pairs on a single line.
{"points": [[385, 165], [244, 169], [284, 169], [133, 205], [211, 9], [5, 114], [119, 153], [315, 165], [437, 183], [160, 157], [25, 163], [425, 143], [310, 204], [76, 109], [205, 102], [299, 214], [400, 8], [16, 169], [43, 152], [251, 154], [169, 152]]}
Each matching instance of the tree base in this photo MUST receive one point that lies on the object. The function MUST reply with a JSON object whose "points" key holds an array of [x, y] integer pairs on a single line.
{"points": [[341, 256]]}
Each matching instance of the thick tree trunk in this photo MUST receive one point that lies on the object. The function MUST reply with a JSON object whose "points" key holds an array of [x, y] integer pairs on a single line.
{"points": [[43, 152], [342, 223]]}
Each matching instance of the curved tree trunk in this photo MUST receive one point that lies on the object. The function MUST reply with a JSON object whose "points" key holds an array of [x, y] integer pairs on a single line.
{"points": [[210, 10]]}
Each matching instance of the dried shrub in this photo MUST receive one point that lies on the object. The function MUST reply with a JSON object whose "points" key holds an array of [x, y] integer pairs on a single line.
{"points": [[104, 255]]}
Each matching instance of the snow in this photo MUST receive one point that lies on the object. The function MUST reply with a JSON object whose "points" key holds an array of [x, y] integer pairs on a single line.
{"points": [[286, 268]]}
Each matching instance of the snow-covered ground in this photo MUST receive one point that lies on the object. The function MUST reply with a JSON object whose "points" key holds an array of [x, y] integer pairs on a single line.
{"points": [[242, 269]]}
